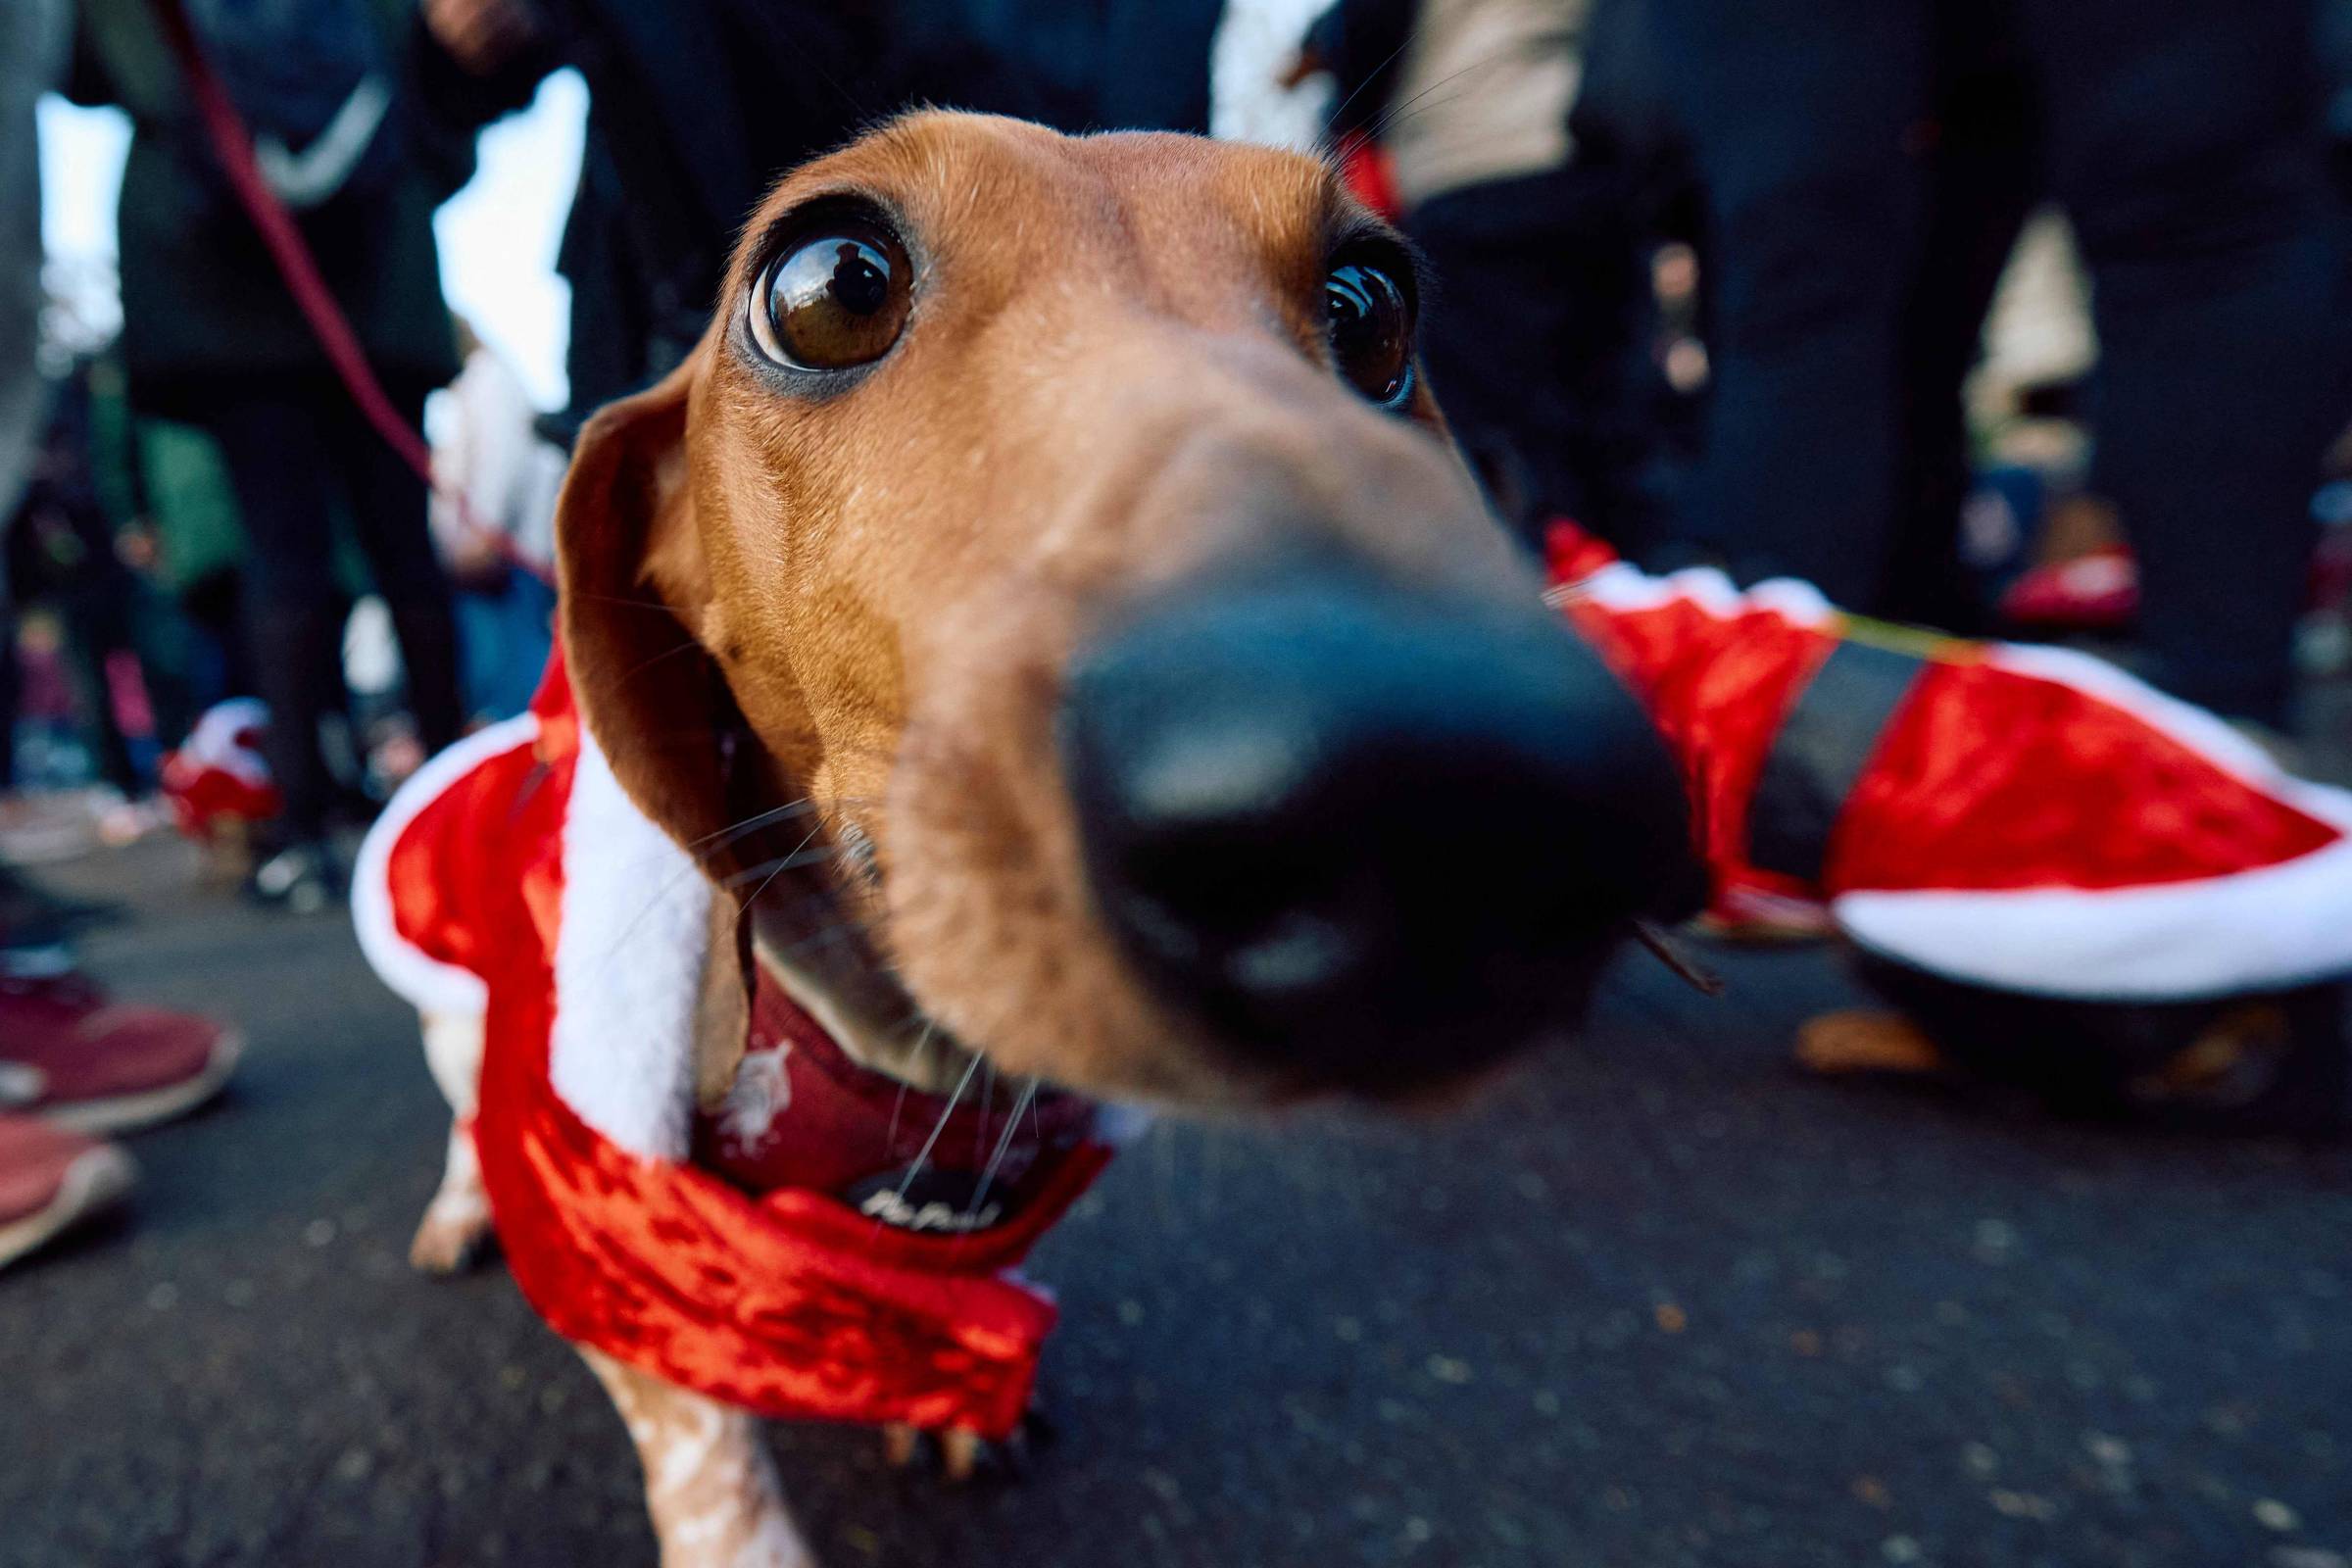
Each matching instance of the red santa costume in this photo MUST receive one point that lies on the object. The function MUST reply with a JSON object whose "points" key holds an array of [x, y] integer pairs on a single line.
{"points": [[823, 1245], [2024, 819]]}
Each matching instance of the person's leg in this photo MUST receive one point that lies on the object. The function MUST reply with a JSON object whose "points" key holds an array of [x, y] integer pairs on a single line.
{"points": [[1983, 176], [2185, 147], [1487, 338], [388, 507], [98, 633], [11, 677], [270, 438], [1806, 120], [1607, 390]]}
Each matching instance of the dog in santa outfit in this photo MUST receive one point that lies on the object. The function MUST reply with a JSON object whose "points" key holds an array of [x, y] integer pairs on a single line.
{"points": [[1039, 652]]}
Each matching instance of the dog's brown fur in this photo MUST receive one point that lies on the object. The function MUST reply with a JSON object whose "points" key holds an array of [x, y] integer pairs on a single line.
{"points": [[855, 610], [1115, 373]]}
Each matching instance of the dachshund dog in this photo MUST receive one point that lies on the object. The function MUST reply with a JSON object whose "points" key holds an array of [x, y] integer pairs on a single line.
{"points": [[1050, 610]]}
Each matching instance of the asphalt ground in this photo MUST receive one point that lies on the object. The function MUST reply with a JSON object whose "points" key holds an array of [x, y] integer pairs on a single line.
{"points": [[1657, 1301]]}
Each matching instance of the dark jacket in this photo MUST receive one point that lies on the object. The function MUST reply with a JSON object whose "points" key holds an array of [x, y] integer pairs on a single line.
{"points": [[201, 300], [696, 106]]}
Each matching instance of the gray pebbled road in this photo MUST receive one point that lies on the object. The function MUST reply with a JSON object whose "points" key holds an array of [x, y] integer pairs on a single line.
{"points": [[1657, 1301]]}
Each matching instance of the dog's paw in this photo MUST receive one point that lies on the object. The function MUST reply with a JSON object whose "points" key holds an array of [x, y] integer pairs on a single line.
{"points": [[965, 1456], [1861, 1040], [451, 1239]]}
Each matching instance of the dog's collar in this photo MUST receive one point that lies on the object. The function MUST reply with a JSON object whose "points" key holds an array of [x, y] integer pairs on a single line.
{"points": [[803, 1113]]}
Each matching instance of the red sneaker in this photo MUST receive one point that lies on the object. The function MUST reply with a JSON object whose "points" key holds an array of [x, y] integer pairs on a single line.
{"points": [[2094, 592], [80, 1061], [51, 1178]]}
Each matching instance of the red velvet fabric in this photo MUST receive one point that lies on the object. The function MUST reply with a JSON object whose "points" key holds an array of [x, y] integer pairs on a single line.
{"points": [[785, 1302], [1989, 779], [1986, 778], [1718, 689]]}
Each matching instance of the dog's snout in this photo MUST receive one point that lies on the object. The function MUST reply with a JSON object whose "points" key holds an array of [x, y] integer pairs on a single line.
{"points": [[1361, 832]]}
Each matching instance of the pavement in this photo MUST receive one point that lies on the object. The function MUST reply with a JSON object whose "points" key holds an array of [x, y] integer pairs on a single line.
{"points": [[1656, 1300]]}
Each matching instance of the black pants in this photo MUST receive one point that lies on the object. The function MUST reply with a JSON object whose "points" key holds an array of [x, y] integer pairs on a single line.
{"points": [[299, 456], [1533, 337], [2181, 136], [11, 677]]}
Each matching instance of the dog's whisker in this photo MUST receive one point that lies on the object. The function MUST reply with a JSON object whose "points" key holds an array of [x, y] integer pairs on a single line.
{"points": [[946, 1114], [758, 819], [988, 1101], [689, 646], [1669, 953], [771, 870], [781, 868], [1370, 76], [1391, 116], [996, 1162], [890, 1140]]}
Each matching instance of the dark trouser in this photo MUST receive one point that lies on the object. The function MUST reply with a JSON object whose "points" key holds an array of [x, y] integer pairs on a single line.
{"points": [[11, 677], [1531, 339], [2180, 136], [298, 454]]}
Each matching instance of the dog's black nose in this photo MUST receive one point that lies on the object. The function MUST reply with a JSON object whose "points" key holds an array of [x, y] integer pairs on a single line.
{"points": [[1365, 833]]}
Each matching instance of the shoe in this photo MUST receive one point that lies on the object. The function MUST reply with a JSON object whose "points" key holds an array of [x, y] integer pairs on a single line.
{"points": [[52, 1179], [302, 879], [32, 915], [75, 1059], [35, 936], [2094, 592], [40, 830]]}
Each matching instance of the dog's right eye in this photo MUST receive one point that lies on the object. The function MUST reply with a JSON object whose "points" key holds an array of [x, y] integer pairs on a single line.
{"points": [[835, 300]]}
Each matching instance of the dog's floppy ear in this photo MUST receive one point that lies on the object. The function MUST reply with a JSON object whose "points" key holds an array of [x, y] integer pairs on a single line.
{"points": [[636, 593], [635, 612]]}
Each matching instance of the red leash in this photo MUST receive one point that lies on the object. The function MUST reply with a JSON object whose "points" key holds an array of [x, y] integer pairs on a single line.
{"points": [[233, 144]]}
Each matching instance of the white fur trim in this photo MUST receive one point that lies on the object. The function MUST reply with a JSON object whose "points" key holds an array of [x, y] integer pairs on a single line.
{"points": [[2266, 928], [1625, 588], [628, 968], [1799, 603], [418, 978]]}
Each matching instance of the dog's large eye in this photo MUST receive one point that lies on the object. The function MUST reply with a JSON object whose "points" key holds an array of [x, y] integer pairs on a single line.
{"points": [[836, 300], [1371, 332]]}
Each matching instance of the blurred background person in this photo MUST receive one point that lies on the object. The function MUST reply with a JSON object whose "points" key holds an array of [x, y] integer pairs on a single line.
{"points": [[687, 128], [332, 90], [64, 556], [32, 39], [72, 1066], [499, 544], [1868, 163], [1533, 333]]}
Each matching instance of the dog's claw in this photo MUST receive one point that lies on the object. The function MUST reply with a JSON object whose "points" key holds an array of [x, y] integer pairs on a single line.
{"points": [[901, 1444], [963, 1454], [960, 1451]]}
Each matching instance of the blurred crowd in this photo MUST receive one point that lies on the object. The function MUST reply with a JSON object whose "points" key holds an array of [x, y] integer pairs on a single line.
{"points": [[1713, 281]]}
